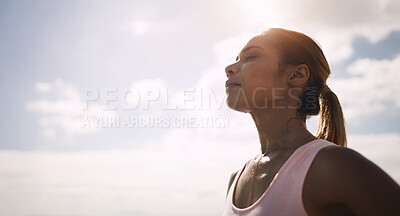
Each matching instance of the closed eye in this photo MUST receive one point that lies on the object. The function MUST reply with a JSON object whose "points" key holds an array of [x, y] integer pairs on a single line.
{"points": [[247, 58], [250, 57]]}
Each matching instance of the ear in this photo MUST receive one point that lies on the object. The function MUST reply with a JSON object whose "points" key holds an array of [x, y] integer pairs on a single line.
{"points": [[298, 75]]}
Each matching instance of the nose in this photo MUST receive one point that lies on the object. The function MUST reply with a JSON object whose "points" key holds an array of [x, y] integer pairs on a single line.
{"points": [[230, 70]]}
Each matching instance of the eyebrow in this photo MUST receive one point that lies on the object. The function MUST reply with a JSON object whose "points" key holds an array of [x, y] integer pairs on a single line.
{"points": [[246, 49]]}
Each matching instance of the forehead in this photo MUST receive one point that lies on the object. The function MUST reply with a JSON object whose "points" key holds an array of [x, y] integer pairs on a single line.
{"points": [[260, 41]]}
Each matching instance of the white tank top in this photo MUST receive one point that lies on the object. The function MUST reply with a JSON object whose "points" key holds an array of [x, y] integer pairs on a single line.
{"points": [[284, 194]]}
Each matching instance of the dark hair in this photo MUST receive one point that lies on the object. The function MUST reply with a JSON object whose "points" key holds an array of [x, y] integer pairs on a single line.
{"points": [[297, 48]]}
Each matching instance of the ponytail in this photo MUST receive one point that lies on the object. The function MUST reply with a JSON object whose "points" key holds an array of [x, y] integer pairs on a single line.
{"points": [[331, 126]]}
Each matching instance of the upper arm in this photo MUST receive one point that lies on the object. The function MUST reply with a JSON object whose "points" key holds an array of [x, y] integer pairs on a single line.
{"points": [[359, 183]]}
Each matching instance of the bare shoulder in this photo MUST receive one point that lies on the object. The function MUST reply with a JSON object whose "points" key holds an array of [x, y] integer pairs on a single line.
{"points": [[348, 164], [345, 176]]}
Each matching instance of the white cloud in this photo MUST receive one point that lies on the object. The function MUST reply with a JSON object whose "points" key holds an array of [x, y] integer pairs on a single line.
{"points": [[141, 27], [118, 182], [66, 113], [334, 24], [372, 88], [146, 93], [43, 87]]}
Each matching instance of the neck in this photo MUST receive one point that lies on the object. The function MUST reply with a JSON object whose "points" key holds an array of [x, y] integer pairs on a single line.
{"points": [[278, 130]]}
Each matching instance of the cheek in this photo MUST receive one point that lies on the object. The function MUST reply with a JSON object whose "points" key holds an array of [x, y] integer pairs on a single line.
{"points": [[256, 73], [262, 86], [259, 83]]}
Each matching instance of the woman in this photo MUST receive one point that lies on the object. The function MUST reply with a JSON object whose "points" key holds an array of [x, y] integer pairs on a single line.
{"points": [[280, 78]]}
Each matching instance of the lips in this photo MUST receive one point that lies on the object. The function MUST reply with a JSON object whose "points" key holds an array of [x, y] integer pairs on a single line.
{"points": [[231, 84]]}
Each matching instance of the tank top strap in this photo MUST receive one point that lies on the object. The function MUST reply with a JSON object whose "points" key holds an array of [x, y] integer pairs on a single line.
{"points": [[290, 180], [230, 192]]}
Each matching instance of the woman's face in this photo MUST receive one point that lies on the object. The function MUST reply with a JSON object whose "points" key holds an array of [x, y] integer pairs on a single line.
{"points": [[255, 81]]}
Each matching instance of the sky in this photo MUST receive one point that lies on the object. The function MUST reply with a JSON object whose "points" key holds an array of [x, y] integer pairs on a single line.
{"points": [[118, 107]]}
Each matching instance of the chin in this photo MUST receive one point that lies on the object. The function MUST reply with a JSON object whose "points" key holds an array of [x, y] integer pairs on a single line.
{"points": [[238, 106]]}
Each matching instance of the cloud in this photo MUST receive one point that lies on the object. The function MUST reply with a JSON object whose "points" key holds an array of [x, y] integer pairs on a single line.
{"points": [[372, 87], [140, 27], [120, 181], [66, 113], [43, 87], [334, 24]]}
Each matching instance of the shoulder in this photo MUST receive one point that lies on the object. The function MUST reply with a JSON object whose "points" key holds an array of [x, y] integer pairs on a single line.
{"points": [[342, 163], [345, 165], [348, 177], [338, 157]]}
